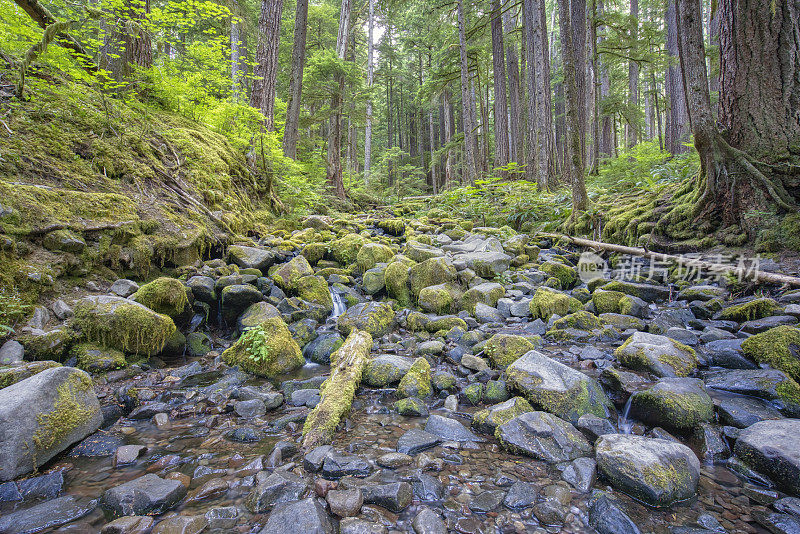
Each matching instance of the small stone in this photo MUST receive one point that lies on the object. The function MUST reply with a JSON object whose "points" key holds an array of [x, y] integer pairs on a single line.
{"points": [[131, 524], [345, 503], [128, 454]]}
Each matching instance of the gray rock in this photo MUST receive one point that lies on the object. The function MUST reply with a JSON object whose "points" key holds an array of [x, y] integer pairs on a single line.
{"points": [[354, 525], [131, 524], [779, 523], [146, 495], [235, 299], [727, 353], [654, 471], [772, 448], [486, 501], [307, 516], [607, 518], [314, 459], [11, 352], [39, 318], [46, 515], [742, 412], [675, 403], [338, 465], [394, 496], [386, 369], [789, 505], [252, 257], [274, 488], [124, 288], [757, 326], [203, 288], [449, 429], [320, 349], [43, 415], [47, 486], [581, 473], [62, 310], [250, 408], [659, 355], [543, 436], [520, 495], [593, 427], [767, 384], [427, 487], [377, 318], [305, 397], [417, 440], [554, 387], [345, 502], [428, 522], [486, 314]]}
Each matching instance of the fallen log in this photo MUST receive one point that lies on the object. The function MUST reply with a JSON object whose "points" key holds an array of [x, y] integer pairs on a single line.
{"points": [[338, 390], [718, 268]]}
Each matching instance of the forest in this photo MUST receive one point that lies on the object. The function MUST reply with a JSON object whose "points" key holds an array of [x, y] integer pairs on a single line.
{"points": [[384, 266]]}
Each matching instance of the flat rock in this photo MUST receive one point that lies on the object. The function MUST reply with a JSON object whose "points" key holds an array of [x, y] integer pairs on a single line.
{"points": [[772, 448], [46, 515], [148, 494], [543, 436], [307, 516], [274, 488], [416, 440], [449, 429]]}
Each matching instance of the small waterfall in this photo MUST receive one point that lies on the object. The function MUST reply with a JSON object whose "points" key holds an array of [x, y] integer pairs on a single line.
{"points": [[339, 306], [625, 424]]}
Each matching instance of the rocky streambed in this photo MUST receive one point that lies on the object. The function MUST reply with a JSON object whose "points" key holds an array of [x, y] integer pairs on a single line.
{"points": [[503, 393]]}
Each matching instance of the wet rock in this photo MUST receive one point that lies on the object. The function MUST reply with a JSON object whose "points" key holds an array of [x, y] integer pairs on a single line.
{"points": [[607, 518], [224, 517], [338, 465], [394, 496], [255, 314], [593, 427], [307, 516], [417, 381], [320, 349], [416, 440], [581, 473], [148, 494], [182, 525], [727, 353], [45, 413], [543, 436], [772, 448], [97, 445], [789, 505], [354, 525], [660, 355], [47, 486], [427, 488], [767, 323], [46, 515], [385, 369], [428, 522], [779, 523], [655, 471], [149, 410], [449, 429], [274, 488], [486, 501], [132, 524], [554, 387], [411, 407], [346, 502], [550, 512], [488, 420], [252, 257], [520, 495], [712, 446], [377, 318], [676, 403], [128, 454], [779, 347], [235, 299], [124, 288], [305, 397], [393, 460], [203, 288], [271, 399], [768, 384]]}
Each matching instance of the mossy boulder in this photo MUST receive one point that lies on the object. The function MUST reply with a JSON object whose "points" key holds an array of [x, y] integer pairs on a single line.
{"points": [[314, 252], [251, 257], [779, 347], [749, 311], [371, 254], [288, 274], [675, 403], [607, 301], [505, 349], [315, 289], [622, 322], [566, 275], [547, 301], [488, 420], [647, 292], [444, 381], [256, 314], [417, 322], [94, 358], [654, 471], [660, 355], [417, 381], [496, 391], [267, 350], [439, 299], [396, 279], [64, 241], [488, 293], [396, 227], [445, 323], [431, 272], [473, 393], [411, 407], [51, 345], [198, 344], [122, 324], [556, 388], [377, 318], [385, 369], [581, 320], [168, 296], [235, 299], [418, 251], [17, 372], [703, 293], [374, 280], [345, 249]]}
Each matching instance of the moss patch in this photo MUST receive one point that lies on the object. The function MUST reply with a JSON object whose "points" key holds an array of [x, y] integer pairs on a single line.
{"points": [[547, 301], [779, 347], [67, 414], [505, 349], [749, 311], [163, 295]]}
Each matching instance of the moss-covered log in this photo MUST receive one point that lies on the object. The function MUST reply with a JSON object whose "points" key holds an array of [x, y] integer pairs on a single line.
{"points": [[338, 390]]}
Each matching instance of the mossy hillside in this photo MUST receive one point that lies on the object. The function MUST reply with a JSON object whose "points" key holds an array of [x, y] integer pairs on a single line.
{"points": [[547, 301], [267, 350], [123, 325], [505, 349], [417, 381], [164, 295], [749, 311], [779, 347]]}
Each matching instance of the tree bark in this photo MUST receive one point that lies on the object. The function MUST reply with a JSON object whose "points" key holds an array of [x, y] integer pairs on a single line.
{"points": [[43, 18], [235, 53], [606, 121], [677, 131], [501, 137], [447, 116], [291, 132], [135, 47], [467, 103], [633, 77], [572, 104], [579, 27], [370, 83], [560, 118], [512, 71], [266, 69], [335, 174]]}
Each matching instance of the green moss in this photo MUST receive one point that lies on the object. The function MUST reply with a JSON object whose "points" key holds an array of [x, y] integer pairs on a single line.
{"points": [[67, 414], [52, 345], [439, 299], [547, 301], [581, 320], [779, 347], [430, 272], [396, 279], [371, 254], [95, 359], [315, 289], [445, 324], [287, 275], [474, 393], [488, 420], [164, 295], [444, 381], [749, 311], [505, 349], [377, 318], [410, 406], [487, 293], [417, 381], [789, 392], [345, 249], [565, 274], [17, 373], [607, 301], [395, 227], [267, 350]]}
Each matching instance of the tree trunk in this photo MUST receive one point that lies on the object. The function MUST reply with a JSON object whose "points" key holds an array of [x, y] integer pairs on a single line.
{"points": [[633, 77], [558, 105], [677, 131], [266, 69], [447, 115], [335, 175], [235, 55], [572, 104], [594, 85], [370, 82], [501, 138], [512, 70], [135, 47], [579, 27], [606, 120], [291, 133], [467, 103]]}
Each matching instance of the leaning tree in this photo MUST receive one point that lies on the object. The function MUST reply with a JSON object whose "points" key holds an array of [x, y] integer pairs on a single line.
{"points": [[750, 156]]}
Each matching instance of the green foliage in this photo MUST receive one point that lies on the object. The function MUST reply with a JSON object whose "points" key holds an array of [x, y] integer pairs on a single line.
{"points": [[12, 310], [255, 341], [645, 166]]}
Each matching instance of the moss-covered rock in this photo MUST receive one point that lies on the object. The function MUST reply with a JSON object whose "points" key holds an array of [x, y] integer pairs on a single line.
{"points": [[547, 302], [496, 391], [565, 274], [488, 420], [371, 254], [288, 274], [417, 322], [417, 381], [94, 358], [198, 344], [505, 349], [315, 289], [122, 324], [749, 311], [660, 355], [473, 393], [12, 374], [52, 345], [314, 252], [64, 241], [607, 301], [256, 314], [674, 403], [445, 324], [779, 347], [411, 407], [164, 295], [418, 251], [622, 322], [377, 318], [267, 350], [385, 369], [439, 299], [443, 381], [396, 227], [488, 293], [581, 320], [431, 272], [647, 292], [345, 249], [396, 279]]}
